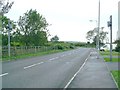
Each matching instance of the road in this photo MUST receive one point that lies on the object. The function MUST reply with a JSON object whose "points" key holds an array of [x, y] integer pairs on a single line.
{"points": [[49, 71]]}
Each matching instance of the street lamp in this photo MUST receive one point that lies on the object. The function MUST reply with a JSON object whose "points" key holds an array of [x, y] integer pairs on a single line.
{"points": [[110, 25], [98, 25]]}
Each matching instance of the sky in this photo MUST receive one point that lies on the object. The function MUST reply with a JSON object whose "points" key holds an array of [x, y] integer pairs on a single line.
{"points": [[69, 19]]}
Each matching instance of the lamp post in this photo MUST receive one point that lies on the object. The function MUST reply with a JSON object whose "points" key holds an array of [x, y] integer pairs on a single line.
{"points": [[98, 46], [9, 29], [110, 25]]}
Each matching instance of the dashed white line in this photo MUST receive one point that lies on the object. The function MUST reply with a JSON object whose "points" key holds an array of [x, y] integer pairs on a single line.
{"points": [[3, 74], [33, 65], [62, 55], [76, 73], [56, 57], [53, 58]]}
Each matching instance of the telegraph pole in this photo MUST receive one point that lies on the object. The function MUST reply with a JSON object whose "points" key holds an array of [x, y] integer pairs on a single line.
{"points": [[98, 46], [9, 29], [110, 25]]}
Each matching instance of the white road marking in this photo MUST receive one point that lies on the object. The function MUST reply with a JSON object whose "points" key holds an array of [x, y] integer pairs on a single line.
{"points": [[3, 74], [56, 57], [76, 73], [62, 55], [33, 65], [53, 58]]}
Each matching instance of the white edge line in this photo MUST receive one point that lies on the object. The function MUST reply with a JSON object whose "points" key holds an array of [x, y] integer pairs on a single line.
{"points": [[33, 65], [76, 73], [111, 74], [3, 74]]}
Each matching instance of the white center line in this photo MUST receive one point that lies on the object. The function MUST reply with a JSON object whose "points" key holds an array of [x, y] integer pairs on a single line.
{"points": [[56, 57], [33, 65], [3, 74], [53, 58]]}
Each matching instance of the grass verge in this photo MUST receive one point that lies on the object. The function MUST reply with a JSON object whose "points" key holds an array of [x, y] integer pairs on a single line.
{"points": [[108, 53], [113, 60], [23, 56], [116, 75]]}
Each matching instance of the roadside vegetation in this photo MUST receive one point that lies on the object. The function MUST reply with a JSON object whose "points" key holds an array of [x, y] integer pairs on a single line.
{"points": [[113, 60], [21, 52], [106, 53], [116, 75]]}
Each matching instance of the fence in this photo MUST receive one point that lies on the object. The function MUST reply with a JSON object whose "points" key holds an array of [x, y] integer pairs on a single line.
{"points": [[15, 51]]}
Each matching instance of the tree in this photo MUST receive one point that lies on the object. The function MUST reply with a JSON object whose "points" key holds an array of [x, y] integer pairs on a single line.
{"points": [[5, 29], [55, 38], [4, 8], [117, 49], [30, 25], [92, 35], [5, 25]]}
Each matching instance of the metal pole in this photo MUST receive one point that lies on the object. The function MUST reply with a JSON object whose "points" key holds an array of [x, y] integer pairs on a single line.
{"points": [[98, 26], [111, 38], [9, 38], [96, 32]]}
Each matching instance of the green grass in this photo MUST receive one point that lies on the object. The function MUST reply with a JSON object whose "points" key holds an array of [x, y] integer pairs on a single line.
{"points": [[113, 60], [31, 55], [108, 53], [116, 75]]}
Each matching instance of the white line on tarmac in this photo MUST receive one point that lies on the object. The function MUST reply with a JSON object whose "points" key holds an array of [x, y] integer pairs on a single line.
{"points": [[53, 58], [33, 65], [76, 73], [62, 55], [56, 57], [3, 74]]}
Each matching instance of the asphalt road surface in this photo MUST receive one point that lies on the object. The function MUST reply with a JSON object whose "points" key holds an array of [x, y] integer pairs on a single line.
{"points": [[49, 71]]}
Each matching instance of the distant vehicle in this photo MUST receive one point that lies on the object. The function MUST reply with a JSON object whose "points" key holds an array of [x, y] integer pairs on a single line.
{"points": [[106, 47]]}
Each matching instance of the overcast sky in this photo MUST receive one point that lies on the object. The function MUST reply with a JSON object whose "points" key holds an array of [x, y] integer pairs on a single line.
{"points": [[69, 18]]}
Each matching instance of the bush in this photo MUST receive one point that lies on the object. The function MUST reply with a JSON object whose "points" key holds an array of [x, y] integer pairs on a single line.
{"points": [[60, 47], [72, 47], [117, 49]]}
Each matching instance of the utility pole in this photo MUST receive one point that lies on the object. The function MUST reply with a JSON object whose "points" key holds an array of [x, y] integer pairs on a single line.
{"points": [[9, 29], [98, 46], [110, 25]]}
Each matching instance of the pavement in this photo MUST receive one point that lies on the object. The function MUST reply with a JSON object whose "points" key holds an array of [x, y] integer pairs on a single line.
{"points": [[79, 68], [113, 65], [94, 74]]}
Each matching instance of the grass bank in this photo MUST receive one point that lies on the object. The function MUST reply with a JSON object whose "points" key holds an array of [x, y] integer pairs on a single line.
{"points": [[32, 55], [116, 75], [113, 59], [108, 53]]}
